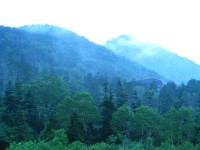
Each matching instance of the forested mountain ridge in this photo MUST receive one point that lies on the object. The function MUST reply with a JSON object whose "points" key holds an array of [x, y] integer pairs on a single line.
{"points": [[27, 51], [156, 58], [51, 98]]}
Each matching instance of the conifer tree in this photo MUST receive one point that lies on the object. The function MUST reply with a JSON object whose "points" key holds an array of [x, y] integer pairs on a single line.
{"points": [[108, 108], [121, 95], [76, 129]]}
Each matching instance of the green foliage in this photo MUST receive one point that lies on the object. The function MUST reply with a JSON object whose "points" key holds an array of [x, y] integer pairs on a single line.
{"points": [[50, 125], [84, 106], [146, 122], [77, 146], [76, 129], [187, 146], [59, 140], [64, 110], [49, 95], [122, 123], [171, 126], [24, 146], [104, 146], [108, 107], [167, 146], [121, 95]]}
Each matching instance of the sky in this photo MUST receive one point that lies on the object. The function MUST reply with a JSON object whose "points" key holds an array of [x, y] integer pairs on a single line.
{"points": [[172, 24]]}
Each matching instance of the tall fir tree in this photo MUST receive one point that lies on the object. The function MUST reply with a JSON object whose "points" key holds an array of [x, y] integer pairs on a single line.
{"points": [[135, 103], [15, 116], [76, 129], [120, 95], [108, 108]]}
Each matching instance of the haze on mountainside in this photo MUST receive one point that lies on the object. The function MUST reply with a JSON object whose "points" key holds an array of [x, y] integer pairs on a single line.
{"points": [[70, 93], [61, 88], [33, 48], [156, 58], [171, 24]]}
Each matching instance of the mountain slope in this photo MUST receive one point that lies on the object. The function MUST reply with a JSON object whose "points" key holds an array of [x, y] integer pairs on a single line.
{"points": [[153, 57], [26, 52]]}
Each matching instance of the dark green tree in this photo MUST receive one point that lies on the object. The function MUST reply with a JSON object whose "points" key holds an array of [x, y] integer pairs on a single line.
{"points": [[121, 96], [122, 123], [108, 107], [20, 130], [8, 98], [181, 97], [135, 101], [76, 129], [15, 116], [167, 97], [146, 123], [50, 125]]}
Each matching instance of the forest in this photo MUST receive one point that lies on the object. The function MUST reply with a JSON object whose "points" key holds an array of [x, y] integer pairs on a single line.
{"points": [[63, 92], [93, 112]]}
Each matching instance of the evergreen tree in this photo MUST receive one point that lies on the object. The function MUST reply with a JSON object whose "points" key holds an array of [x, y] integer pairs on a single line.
{"points": [[121, 95], [20, 130], [50, 125], [15, 116], [32, 112], [180, 98], [149, 97], [18, 95], [108, 108], [76, 129], [167, 97], [135, 103], [8, 99]]}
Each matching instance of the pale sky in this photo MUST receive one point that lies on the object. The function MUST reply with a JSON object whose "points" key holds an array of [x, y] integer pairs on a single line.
{"points": [[173, 24]]}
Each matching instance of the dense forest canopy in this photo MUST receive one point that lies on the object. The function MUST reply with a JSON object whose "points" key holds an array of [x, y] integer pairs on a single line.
{"points": [[54, 98]]}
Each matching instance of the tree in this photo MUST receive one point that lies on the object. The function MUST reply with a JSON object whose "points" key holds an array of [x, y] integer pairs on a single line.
{"points": [[64, 111], [121, 95], [187, 120], [135, 103], [20, 130], [181, 97], [122, 123], [50, 125], [14, 111], [149, 97], [76, 129], [108, 107], [8, 99], [167, 97], [146, 122], [171, 126], [31, 107], [84, 107], [48, 91]]}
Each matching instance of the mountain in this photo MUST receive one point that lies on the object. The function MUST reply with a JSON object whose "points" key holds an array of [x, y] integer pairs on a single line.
{"points": [[29, 51], [156, 58]]}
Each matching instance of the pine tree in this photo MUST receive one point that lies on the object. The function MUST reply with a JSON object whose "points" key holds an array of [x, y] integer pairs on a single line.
{"points": [[136, 101], [20, 130], [32, 112], [50, 125], [15, 116], [76, 129], [8, 99], [18, 95], [108, 108], [121, 95]]}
